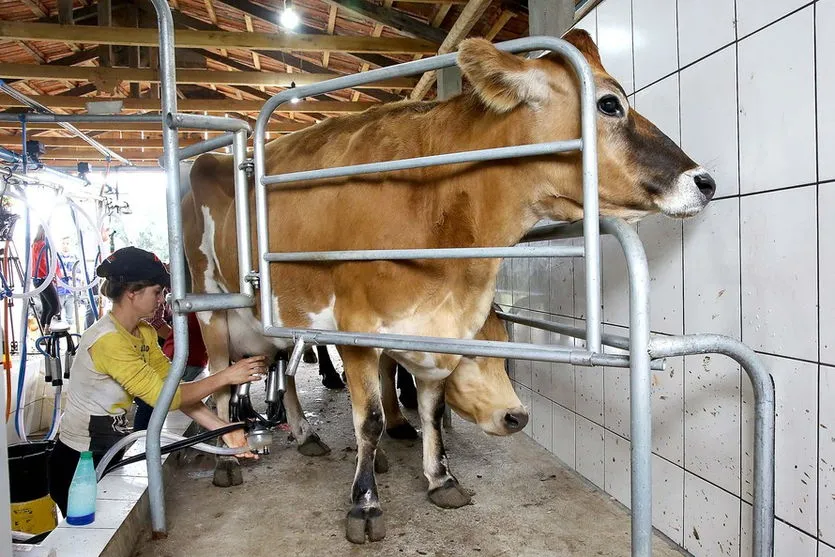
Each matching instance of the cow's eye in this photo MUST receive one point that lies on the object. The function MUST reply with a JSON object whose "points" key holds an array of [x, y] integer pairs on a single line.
{"points": [[610, 106]]}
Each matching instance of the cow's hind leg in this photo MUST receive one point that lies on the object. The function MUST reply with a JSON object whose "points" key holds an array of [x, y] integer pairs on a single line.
{"points": [[444, 489], [330, 378], [216, 338], [397, 427], [307, 439], [366, 514]]}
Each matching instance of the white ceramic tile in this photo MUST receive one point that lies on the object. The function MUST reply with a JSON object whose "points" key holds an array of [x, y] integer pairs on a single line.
{"points": [[756, 14], [580, 283], [561, 273], [540, 283], [711, 519], [562, 375], [825, 21], [563, 430], [703, 27], [504, 287], [826, 204], [711, 270], [541, 430], [616, 409], [523, 369], [541, 374], [712, 419], [796, 440], [826, 462], [779, 273], [614, 34], [615, 282], [662, 241], [777, 105], [32, 415], [589, 24], [617, 466], [668, 411], [521, 283], [78, 542], [588, 385], [668, 499], [825, 550], [787, 540], [659, 104], [121, 488], [589, 451], [654, 40], [709, 117]]}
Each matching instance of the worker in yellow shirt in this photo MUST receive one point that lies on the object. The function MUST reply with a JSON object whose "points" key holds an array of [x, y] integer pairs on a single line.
{"points": [[119, 359]]}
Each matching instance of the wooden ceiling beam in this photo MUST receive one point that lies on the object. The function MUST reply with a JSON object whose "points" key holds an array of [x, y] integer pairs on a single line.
{"points": [[192, 105], [391, 18], [254, 79], [130, 36], [272, 127]]}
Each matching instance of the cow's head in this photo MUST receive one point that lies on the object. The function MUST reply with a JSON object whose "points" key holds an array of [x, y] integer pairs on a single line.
{"points": [[480, 391], [641, 170]]}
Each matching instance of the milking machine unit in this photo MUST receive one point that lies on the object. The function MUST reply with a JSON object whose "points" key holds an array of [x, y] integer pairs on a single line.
{"points": [[259, 427], [50, 347]]}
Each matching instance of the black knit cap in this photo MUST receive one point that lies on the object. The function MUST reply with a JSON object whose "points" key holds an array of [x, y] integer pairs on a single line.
{"points": [[132, 264]]}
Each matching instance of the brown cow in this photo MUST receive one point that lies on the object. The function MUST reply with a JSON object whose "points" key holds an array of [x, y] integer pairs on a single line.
{"points": [[513, 101]]}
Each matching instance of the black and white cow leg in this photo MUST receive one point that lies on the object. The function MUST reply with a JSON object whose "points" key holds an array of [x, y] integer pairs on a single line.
{"points": [[330, 378], [307, 440], [366, 515], [227, 468], [444, 489]]}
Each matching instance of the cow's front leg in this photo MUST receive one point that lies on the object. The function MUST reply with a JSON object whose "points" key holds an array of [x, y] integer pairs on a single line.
{"points": [[366, 514], [444, 489]]}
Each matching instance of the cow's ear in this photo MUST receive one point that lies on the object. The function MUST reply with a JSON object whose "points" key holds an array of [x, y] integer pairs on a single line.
{"points": [[581, 39], [501, 80]]}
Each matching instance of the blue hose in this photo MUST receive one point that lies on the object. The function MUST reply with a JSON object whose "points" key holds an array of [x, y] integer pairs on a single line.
{"points": [[21, 376]]}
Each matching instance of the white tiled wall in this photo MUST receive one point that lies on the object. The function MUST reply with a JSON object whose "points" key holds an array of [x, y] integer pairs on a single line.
{"points": [[744, 87]]}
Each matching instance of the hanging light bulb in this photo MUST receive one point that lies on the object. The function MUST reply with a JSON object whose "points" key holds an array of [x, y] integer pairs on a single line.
{"points": [[289, 19]]}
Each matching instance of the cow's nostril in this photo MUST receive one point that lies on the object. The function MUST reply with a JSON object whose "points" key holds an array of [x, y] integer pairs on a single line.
{"points": [[706, 185], [515, 421]]}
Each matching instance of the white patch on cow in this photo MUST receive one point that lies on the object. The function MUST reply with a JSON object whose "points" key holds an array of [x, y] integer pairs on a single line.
{"points": [[207, 247], [204, 316], [684, 199], [325, 318], [531, 86]]}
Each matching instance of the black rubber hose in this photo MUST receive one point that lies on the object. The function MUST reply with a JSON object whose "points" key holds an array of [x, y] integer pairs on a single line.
{"points": [[176, 446]]}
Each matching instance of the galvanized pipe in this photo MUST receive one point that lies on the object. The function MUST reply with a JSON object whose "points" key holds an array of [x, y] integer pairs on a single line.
{"points": [[764, 412], [168, 95], [488, 348], [615, 341], [81, 118], [640, 384], [433, 253], [295, 358], [242, 221], [201, 147], [498, 153], [203, 122], [211, 302]]}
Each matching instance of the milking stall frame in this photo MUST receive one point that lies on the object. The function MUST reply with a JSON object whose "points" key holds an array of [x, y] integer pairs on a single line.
{"points": [[643, 350]]}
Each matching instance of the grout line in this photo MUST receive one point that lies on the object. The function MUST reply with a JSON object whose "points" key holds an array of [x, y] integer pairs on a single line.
{"points": [[817, 268]]}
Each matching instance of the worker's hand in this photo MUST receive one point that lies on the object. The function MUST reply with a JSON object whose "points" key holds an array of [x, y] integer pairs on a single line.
{"points": [[246, 370], [238, 439]]}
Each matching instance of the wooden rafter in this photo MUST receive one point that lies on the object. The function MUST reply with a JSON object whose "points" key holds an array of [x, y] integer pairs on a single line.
{"points": [[272, 127], [389, 17], [75, 73], [214, 39]]}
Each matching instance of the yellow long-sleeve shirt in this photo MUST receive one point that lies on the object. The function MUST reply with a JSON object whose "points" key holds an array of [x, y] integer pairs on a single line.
{"points": [[111, 368]]}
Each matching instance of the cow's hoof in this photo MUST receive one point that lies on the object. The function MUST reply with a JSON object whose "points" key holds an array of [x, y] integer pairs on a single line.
{"points": [[381, 461], [450, 495], [227, 472], [313, 446], [361, 522], [332, 381], [408, 398], [403, 431]]}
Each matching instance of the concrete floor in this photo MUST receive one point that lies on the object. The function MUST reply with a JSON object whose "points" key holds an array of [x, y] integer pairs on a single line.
{"points": [[526, 502]]}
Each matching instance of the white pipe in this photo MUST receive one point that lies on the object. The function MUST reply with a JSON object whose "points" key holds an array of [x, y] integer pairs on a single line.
{"points": [[124, 441], [75, 207]]}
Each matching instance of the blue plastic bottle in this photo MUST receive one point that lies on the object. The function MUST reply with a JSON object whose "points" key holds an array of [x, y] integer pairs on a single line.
{"points": [[81, 505]]}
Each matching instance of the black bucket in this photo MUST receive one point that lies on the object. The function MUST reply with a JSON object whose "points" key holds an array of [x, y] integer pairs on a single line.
{"points": [[33, 511]]}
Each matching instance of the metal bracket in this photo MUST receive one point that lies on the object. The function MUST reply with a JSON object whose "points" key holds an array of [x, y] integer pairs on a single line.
{"points": [[254, 279], [248, 166]]}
